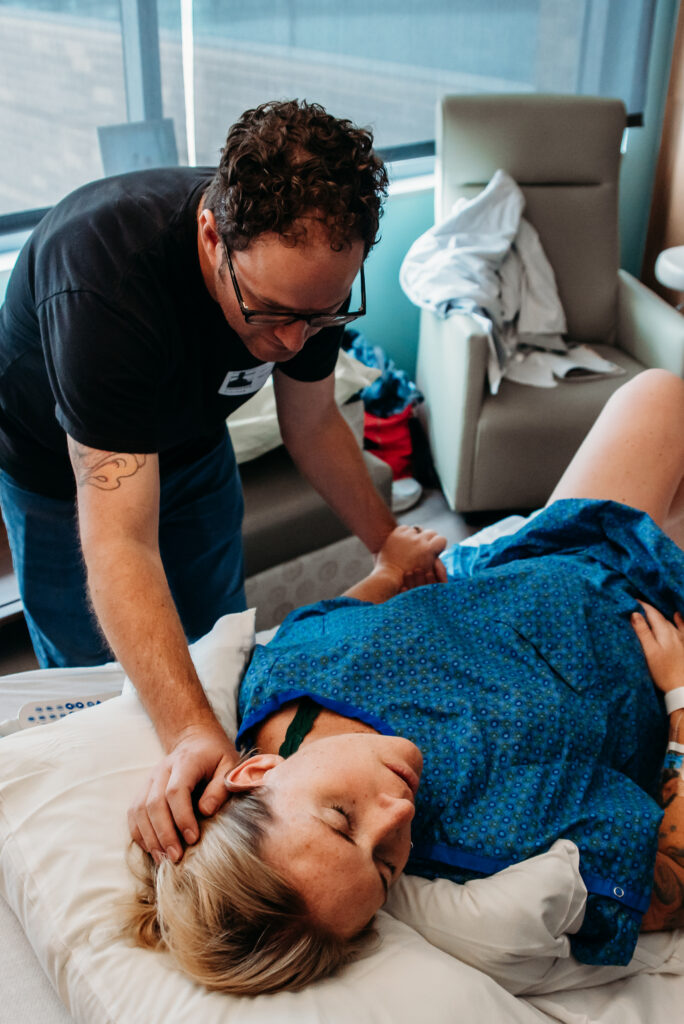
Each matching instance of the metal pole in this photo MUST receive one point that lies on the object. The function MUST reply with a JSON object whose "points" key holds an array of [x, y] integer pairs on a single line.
{"points": [[142, 66]]}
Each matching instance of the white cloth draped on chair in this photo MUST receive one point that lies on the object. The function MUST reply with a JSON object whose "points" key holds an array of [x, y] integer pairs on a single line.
{"points": [[486, 260]]}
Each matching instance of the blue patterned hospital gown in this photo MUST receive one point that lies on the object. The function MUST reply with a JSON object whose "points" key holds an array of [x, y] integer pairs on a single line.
{"points": [[523, 683]]}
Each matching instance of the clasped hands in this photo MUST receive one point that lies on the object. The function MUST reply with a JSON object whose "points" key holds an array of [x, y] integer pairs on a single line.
{"points": [[410, 555]]}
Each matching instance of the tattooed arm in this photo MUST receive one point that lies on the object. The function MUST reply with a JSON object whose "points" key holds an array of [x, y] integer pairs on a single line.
{"points": [[667, 902], [118, 511], [663, 646]]}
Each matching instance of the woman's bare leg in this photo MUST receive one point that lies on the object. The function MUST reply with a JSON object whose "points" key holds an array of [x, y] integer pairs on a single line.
{"points": [[634, 453]]}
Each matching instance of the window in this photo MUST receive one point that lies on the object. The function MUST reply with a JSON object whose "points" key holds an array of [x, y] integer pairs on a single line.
{"points": [[78, 75], [62, 75], [387, 62]]}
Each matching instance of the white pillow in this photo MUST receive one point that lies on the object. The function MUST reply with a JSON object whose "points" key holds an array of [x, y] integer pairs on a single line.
{"points": [[64, 790], [220, 658], [254, 427], [514, 925], [511, 925]]}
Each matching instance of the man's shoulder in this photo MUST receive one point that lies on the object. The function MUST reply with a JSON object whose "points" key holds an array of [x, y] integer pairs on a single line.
{"points": [[158, 184], [114, 227], [137, 201]]}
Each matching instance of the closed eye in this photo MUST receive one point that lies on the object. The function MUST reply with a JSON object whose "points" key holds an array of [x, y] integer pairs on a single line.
{"points": [[346, 815], [349, 838], [387, 864]]}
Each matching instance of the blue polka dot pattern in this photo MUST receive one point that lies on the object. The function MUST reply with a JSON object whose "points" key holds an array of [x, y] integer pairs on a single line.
{"points": [[523, 684]]}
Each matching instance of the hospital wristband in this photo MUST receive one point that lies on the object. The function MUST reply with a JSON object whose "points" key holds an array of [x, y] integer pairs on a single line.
{"points": [[674, 700]]}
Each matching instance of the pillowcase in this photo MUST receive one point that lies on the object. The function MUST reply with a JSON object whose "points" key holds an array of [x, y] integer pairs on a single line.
{"points": [[254, 427], [64, 791], [220, 659]]}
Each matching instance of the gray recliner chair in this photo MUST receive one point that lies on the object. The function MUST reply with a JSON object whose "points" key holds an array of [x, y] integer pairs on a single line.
{"points": [[508, 451]]}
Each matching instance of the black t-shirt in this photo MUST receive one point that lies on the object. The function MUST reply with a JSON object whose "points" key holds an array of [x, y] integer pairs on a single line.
{"points": [[108, 333]]}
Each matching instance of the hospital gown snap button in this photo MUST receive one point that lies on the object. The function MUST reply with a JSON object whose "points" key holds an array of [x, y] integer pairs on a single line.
{"points": [[617, 891]]}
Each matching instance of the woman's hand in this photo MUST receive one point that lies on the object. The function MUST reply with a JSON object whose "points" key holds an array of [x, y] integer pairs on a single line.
{"points": [[407, 559], [417, 578], [410, 554], [663, 645]]}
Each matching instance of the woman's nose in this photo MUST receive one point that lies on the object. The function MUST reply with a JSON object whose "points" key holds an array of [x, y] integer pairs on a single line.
{"points": [[294, 335], [396, 812]]}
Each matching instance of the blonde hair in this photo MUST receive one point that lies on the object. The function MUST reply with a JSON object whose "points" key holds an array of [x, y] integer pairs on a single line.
{"points": [[229, 920]]}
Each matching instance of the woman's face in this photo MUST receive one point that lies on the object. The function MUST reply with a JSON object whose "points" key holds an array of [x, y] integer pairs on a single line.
{"points": [[342, 809]]}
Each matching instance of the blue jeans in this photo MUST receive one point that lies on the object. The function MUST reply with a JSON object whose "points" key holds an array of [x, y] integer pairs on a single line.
{"points": [[201, 548]]}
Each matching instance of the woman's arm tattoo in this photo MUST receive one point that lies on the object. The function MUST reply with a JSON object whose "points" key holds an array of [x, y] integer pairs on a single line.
{"points": [[104, 470], [667, 901]]}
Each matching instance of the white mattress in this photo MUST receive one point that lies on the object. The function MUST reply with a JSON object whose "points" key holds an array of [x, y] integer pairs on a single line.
{"points": [[27, 996]]}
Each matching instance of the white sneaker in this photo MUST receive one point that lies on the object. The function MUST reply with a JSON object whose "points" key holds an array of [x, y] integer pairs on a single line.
{"points": [[405, 493]]}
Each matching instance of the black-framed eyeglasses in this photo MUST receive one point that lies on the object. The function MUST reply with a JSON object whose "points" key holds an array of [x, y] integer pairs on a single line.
{"points": [[291, 316]]}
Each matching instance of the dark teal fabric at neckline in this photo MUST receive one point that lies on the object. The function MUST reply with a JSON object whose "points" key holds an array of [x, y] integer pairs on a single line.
{"points": [[300, 726]]}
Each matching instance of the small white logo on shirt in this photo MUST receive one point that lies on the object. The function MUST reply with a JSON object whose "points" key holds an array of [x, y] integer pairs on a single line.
{"points": [[244, 382]]}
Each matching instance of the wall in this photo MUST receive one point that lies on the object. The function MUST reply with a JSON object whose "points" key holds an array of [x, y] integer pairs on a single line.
{"points": [[392, 320]]}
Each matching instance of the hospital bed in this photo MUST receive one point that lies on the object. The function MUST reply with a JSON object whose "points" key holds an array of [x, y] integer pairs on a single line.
{"points": [[496, 949]]}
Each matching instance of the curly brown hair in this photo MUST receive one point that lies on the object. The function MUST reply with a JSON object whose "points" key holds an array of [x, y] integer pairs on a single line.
{"points": [[283, 160]]}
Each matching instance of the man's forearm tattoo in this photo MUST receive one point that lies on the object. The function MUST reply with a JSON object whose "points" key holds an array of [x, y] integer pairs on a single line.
{"points": [[104, 470]]}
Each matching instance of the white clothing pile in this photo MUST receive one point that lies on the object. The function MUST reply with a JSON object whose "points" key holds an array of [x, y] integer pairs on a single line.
{"points": [[487, 261]]}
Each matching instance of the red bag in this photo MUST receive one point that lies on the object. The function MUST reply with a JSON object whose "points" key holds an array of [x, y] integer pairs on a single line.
{"points": [[390, 439]]}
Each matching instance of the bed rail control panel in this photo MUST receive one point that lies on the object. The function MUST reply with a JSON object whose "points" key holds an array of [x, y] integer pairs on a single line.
{"points": [[44, 712]]}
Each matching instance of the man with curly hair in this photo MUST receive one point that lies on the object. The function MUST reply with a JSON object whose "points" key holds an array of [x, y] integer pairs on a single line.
{"points": [[145, 309]]}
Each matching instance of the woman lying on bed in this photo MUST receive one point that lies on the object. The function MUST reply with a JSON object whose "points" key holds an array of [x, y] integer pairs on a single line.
{"points": [[518, 695]]}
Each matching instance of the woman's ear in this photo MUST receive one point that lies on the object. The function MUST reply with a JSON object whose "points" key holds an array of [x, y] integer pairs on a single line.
{"points": [[251, 773]]}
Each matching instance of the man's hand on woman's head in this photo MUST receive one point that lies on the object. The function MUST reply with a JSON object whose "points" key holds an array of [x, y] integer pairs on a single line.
{"points": [[662, 642], [163, 810], [412, 554]]}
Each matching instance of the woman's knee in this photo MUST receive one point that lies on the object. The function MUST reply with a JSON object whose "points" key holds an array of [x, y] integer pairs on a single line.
{"points": [[653, 384], [655, 397]]}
